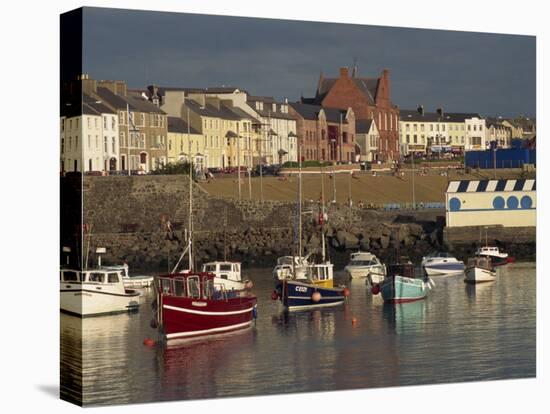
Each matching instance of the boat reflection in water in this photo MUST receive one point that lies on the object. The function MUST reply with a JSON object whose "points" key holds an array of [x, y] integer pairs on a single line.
{"points": [[405, 318], [480, 292], [198, 368], [89, 347]]}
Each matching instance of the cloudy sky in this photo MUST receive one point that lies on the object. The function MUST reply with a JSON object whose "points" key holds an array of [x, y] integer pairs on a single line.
{"points": [[492, 74]]}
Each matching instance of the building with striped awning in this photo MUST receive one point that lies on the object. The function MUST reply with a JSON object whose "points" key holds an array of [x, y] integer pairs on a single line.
{"points": [[507, 203]]}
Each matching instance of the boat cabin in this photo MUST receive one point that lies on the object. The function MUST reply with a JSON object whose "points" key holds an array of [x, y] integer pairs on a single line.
{"points": [[193, 286], [481, 262], [363, 259], [108, 277], [224, 270], [488, 250], [402, 269], [320, 272]]}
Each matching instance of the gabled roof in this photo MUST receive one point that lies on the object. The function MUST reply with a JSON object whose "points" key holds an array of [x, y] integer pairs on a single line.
{"points": [[363, 126], [134, 101], [180, 126], [368, 86], [212, 111], [311, 112], [267, 110], [92, 106]]}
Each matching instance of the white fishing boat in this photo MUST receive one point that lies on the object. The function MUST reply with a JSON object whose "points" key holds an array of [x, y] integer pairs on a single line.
{"points": [[291, 267], [361, 264], [480, 269], [497, 257], [96, 291], [227, 274], [441, 263]]}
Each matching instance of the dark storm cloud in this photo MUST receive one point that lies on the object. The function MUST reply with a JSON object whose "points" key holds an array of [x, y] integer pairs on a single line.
{"points": [[488, 73]]}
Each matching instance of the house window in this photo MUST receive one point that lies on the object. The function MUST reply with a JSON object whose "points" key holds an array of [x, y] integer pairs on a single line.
{"points": [[105, 144], [113, 123], [113, 145], [105, 123], [89, 122], [62, 145], [62, 124], [89, 141]]}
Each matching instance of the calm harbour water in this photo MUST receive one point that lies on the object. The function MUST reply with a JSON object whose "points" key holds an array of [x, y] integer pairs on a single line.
{"points": [[459, 333]]}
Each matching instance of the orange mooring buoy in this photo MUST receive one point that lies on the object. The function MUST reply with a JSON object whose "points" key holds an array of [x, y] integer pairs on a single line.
{"points": [[148, 342]]}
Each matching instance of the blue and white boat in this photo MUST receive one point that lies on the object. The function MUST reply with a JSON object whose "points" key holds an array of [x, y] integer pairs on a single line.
{"points": [[441, 263], [298, 295], [400, 285]]}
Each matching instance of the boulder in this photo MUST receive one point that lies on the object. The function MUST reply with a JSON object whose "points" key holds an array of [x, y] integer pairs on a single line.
{"points": [[365, 244], [416, 230], [341, 237], [351, 242]]}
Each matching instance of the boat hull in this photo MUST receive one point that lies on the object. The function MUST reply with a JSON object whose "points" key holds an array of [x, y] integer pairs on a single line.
{"points": [[84, 302], [479, 275], [439, 269], [184, 317], [398, 289], [295, 295]]}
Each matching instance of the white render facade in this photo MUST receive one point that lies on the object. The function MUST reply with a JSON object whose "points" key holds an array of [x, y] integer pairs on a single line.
{"points": [[457, 132], [90, 143]]}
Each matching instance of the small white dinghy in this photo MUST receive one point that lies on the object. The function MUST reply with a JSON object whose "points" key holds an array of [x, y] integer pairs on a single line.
{"points": [[479, 270]]}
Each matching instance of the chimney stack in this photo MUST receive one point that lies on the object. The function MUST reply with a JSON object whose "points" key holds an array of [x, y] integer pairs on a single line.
{"points": [[440, 112], [420, 109], [344, 72]]}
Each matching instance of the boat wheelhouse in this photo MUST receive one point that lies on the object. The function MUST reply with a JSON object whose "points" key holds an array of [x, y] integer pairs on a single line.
{"points": [[132, 282], [190, 305], [227, 274], [95, 291]]}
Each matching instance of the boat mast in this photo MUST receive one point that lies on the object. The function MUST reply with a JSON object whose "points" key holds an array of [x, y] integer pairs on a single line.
{"points": [[299, 203], [190, 196]]}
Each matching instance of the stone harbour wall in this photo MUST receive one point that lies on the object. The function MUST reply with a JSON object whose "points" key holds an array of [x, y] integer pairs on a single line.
{"points": [[143, 220]]}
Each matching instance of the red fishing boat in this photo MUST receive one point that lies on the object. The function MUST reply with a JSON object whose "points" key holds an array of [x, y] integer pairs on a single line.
{"points": [[190, 304]]}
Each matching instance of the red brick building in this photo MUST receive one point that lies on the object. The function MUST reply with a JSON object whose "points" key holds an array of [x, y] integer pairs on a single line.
{"points": [[324, 134], [370, 98]]}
